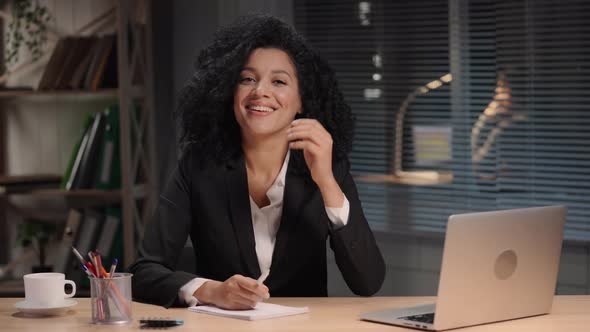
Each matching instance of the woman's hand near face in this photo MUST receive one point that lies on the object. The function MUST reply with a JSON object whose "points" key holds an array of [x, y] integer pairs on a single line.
{"points": [[315, 141], [235, 293]]}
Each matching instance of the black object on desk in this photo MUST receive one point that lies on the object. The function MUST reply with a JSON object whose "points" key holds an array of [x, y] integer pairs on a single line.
{"points": [[147, 323]]}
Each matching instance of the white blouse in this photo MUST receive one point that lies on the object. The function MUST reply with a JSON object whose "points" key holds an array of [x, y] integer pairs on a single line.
{"points": [[266, 221]]}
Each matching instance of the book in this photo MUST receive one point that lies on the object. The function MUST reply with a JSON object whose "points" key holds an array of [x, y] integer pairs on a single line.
{"points": [[110, 74], [261, 311], [79, 74], [78, 47], [100, 61], [97, 51], [55, 64]]}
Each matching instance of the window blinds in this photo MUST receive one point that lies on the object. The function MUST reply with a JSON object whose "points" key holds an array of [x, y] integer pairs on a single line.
{"points": [[491, 94]]}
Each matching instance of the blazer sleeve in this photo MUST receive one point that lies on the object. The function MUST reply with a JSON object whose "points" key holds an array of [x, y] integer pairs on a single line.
{"points": [[154, 277], [355, 250]]}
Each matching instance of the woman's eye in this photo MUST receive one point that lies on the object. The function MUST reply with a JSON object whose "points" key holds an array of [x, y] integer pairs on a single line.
{"points": [[280, 82], [246, 80]]}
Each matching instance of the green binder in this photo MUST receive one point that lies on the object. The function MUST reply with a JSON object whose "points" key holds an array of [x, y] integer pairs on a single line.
{"points": [[108, 175]]}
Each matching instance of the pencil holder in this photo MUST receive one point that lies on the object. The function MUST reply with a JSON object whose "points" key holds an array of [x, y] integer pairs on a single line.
{"points": [[110, 299]]}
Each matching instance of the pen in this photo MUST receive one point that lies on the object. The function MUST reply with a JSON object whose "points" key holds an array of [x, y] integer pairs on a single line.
{"points": [[90, 267], [85, 268], [100, 272], [77, 254], [93, 260], [99, 266], [261, 280], [263, 277], [160, 322], [113, 267]]}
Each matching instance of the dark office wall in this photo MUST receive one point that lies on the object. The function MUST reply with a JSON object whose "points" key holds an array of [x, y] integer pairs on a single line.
{"points": [[180, 28], [162, 56]]}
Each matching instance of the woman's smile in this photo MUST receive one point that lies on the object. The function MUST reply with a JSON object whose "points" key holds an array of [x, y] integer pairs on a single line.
{"points": [[260, 109]]}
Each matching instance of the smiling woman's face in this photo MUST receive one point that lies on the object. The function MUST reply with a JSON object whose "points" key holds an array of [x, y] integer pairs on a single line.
{"points": [[266, 98]]}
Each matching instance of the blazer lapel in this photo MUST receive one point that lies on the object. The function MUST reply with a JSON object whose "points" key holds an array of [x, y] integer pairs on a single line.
{"points": [[293, 199], [241, 217]]}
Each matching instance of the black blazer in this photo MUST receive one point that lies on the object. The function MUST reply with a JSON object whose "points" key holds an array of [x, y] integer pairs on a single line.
{"points": [[211, 204]]}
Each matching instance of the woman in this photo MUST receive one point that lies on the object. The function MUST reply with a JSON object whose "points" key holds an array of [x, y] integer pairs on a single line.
{"points": [[263, 181]]}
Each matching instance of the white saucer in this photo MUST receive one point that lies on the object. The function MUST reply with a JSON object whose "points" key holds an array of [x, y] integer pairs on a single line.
{"points": [[32, 309]]}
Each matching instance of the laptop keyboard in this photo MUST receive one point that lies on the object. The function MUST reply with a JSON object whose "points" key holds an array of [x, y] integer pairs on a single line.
{"points": [[423, 318]]}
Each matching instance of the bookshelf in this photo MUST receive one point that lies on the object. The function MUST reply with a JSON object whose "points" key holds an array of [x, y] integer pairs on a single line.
{"points": [[134, 96]]}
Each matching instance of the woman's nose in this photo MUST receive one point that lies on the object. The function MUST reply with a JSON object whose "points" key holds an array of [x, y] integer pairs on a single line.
{"points": [[261, 90]]}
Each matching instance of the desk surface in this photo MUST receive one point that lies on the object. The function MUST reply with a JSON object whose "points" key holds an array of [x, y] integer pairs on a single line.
{"points": [[570, 313]]}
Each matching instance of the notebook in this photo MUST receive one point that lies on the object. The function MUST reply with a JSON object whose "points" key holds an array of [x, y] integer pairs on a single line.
{"points": [[262, 311]]}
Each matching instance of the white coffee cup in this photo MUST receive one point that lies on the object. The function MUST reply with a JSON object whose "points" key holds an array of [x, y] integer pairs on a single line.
{"points": [[46, 290]]}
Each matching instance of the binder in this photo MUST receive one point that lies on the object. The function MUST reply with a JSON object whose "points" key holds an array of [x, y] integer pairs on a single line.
{"points": [[86, 241], [108, 175], [86, 167], [74, 164], [109, 241], [70, 233]]}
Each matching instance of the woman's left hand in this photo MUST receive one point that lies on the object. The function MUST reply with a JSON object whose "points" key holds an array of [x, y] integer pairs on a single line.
{"points": [[315, 141]]}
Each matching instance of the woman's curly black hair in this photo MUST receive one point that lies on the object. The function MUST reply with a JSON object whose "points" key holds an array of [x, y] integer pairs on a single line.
{"points": [[205, 109]]}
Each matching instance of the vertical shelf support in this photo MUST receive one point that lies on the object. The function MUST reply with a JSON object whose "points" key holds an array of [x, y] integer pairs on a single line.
{"points": [[4, 238], [136, 111]]}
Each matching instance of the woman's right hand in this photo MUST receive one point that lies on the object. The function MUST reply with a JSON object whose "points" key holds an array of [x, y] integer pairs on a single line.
{"points": [[235, 293]]}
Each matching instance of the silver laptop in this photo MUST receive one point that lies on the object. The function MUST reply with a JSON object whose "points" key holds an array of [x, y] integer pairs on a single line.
{"points": [[496, 266]]}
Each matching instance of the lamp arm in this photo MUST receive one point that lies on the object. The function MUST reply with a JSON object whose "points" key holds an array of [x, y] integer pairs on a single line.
{"points": [[401, 113]]}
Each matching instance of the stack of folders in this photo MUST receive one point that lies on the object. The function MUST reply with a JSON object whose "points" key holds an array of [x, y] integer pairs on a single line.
{"points": [[261, 311]]}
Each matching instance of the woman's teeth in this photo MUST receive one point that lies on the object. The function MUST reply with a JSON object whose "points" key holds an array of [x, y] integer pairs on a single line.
{"points": [[261, 109]]}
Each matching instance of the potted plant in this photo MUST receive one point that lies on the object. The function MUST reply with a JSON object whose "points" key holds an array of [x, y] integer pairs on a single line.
{"points": [[27, 27], [37, 234]]}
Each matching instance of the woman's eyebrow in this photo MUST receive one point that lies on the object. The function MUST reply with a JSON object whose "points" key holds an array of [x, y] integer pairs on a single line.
{"points": [[280, 71], [276, 71]]}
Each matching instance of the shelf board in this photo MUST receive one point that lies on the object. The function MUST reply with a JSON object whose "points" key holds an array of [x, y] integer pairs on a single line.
{"points": [[79, 198], [103, 93], [83, 198], [11, 184], [91, 196], [12, 288]]}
